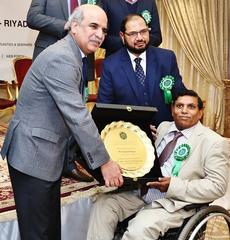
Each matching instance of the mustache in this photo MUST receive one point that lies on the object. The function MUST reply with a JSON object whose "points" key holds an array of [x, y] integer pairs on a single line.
{"points": [[140, 41], [97, 41]]}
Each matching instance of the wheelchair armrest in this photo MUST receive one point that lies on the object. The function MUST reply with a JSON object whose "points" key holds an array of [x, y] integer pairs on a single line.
{"points": [[195, 206]]}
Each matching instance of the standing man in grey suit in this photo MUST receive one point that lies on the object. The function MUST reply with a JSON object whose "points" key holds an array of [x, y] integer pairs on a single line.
{"points": [[50, 109], [50, 18], [195, 171]]}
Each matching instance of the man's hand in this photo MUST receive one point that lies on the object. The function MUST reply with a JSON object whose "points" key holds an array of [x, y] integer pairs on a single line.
{"points": [[153, 131], [162, 185], [112, 174]]}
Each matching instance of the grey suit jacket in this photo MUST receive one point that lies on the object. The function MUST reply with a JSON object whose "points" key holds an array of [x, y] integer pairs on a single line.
{"points": [[204, 174], [49, 18], [49, 110]]}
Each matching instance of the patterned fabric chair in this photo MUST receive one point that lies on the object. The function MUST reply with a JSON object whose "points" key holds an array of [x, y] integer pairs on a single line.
{"points": [[8, 101]]}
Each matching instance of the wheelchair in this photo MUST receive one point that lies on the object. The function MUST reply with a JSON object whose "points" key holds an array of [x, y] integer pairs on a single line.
{"points": [[208, 223]]}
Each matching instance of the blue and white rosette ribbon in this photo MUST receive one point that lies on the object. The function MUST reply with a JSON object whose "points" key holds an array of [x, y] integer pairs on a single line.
{"points": [[166, 85], [147, 16], [180, 154]]}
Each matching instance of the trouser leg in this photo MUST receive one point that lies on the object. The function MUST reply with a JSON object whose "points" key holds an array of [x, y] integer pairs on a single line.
{"points": [[108, 210], [149, 223], [37, 205]]}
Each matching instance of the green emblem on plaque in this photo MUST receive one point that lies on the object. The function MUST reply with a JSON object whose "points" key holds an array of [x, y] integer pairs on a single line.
{"points": [[123, 135], [92, 2], [180, 154], [166, 85], [147, 16]]}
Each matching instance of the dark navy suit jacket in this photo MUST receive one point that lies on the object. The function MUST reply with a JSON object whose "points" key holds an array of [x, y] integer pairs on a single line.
{"points": [[116, 11], [118, 84]]}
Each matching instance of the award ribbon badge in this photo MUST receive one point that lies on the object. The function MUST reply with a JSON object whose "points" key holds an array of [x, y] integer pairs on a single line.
{"points": [[180, 154], [147, 16], [92, 2], [166, 85], [86, 94]]}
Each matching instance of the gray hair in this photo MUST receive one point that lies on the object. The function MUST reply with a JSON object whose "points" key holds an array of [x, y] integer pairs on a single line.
{"points": [[76, 16]]}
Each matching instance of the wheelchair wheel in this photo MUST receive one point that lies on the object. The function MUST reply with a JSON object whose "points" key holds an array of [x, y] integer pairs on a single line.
{"points": [[210, 223]]}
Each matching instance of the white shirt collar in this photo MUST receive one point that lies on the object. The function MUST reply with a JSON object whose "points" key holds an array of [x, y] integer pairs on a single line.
{"points": [[186, 132], [142, 56], [143, 61], [82, 54]]}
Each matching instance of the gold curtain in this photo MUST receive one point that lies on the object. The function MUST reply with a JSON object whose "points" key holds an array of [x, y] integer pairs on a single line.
{"points": [[197, 31]]}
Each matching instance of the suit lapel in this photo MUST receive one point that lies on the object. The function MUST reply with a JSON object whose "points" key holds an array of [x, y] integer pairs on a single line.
{"points": [[151, 73], [164, 129], [76, 51], [129, 72], [193, 141], [198, 131], [64, 7]]}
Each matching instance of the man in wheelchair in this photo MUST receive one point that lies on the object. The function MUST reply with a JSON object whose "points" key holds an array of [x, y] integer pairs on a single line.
{"points": [[195, 171]]}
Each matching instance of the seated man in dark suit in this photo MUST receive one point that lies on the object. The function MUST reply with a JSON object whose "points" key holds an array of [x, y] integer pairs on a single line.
{"points": [[124, 82], [195, 170]]}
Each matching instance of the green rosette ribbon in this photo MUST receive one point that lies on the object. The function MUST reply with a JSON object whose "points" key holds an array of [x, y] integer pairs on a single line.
{"points": [[147, 16], [180, 154], [86, 94], [166, 85], [92, 2]]}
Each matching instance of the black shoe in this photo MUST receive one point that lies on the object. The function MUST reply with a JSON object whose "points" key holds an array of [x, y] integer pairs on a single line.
{"points": [[79, 176]]}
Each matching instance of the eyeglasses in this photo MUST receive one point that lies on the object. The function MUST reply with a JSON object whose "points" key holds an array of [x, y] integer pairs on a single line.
{"points": [[135, 34]]}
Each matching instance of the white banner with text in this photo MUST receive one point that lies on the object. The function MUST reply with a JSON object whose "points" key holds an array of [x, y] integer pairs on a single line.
{"points": [[16, 39]]}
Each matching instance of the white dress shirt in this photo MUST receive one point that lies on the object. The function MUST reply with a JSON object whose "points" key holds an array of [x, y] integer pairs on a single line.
{"points": [[143, 61], [166, 169]]}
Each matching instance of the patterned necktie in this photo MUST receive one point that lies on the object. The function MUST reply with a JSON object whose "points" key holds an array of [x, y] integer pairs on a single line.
{"points": [[169, 149], [84, 68], [154, 194], [85, 78], [139, 71], [73, 5], [84, 75]]}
